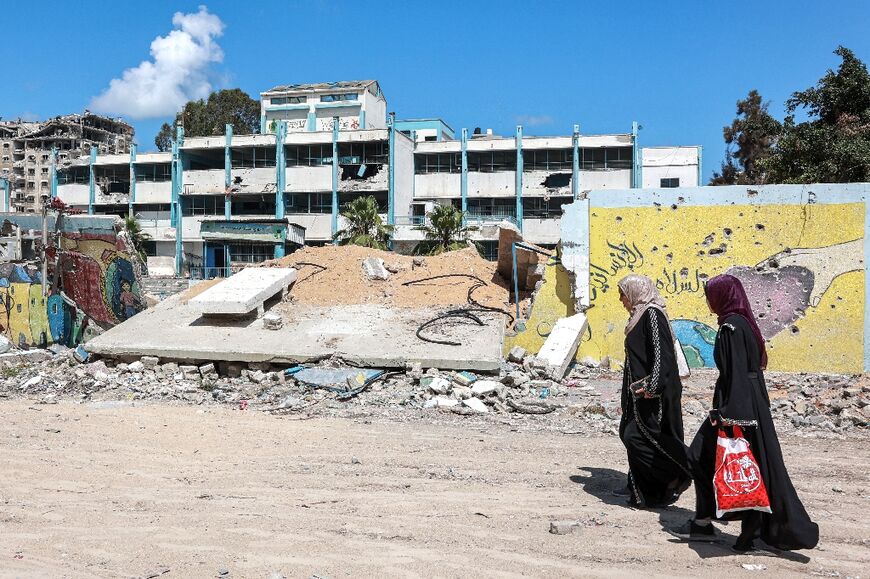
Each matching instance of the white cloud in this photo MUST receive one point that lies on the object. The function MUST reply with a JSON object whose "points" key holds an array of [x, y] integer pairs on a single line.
{"points": [[178, 71], [534, 120]]}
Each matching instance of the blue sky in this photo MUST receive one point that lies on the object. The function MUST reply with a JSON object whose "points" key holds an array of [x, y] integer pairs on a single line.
{"points": [[677, 67]]}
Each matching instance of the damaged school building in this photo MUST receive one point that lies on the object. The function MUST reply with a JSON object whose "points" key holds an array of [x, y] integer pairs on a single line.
{"points": [[227, 200]]}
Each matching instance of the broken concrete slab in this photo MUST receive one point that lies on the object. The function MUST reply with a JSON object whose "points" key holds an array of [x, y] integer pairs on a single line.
{"points": [[365, 335], [476, 404], [484, 387], [559, 350], [245, 291], [374, 268], [440, 402], [334, 376], [272, 321]]}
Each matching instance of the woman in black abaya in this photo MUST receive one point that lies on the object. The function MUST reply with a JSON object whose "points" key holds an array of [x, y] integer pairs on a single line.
{"points": [[740, 399], [652, 422]]}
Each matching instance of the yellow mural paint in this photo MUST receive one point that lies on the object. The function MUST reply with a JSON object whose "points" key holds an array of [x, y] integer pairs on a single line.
{"points": [[808, 267], [551, 303]]}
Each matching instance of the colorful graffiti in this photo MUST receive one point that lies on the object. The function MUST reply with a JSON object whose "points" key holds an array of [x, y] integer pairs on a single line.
{"points": [[805, 283], [99, 288], [98, 275]]}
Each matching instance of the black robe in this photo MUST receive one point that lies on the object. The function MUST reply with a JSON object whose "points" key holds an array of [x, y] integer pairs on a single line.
{"points": [[740, 398], [652, 428]]}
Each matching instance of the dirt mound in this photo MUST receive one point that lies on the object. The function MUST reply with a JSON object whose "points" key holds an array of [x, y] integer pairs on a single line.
{"points": [[343, 282]]}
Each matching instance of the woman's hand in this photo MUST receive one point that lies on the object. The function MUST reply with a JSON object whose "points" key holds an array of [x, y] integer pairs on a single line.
{"points": [[714, 417]]}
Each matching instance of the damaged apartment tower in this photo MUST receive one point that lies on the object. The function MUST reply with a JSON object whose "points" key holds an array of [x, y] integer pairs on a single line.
{"points": [[26, 148]]}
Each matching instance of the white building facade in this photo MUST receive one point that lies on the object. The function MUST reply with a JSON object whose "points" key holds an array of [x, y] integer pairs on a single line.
{"points": [[218, 202]]}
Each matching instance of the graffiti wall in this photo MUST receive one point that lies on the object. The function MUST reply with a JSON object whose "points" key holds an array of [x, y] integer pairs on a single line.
{"points": [[799, 251], [802, 267], [99, 287]]}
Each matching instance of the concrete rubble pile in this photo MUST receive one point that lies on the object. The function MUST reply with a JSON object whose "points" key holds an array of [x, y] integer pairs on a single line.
{"points": [[827, 403]]}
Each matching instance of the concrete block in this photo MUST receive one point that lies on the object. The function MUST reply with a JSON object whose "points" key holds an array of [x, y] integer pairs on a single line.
{"points": [[517, 354], [440, 402], [484, 387], [150, 361], [561, 345], [563, 527], [207, 370], [272, 321], [438, 385], [374, 268], [189, 372], [136, 367], [245, 291], [476, 404], [462, 392]]}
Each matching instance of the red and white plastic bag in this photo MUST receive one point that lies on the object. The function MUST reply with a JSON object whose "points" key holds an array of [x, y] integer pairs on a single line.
{"points": [[737, 480]]}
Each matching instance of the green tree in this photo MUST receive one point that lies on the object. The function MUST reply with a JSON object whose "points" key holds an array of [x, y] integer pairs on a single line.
{"points": [[833, 144], [364, 224], [201, 118], [750, 138], [444, 231], [137, 236]]}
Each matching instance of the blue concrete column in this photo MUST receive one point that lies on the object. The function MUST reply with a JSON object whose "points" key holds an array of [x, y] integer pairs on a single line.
{"points": [[92, 188], [280, 179], [173, 219], [636, 177], [519, 179], [362, 119], [53, 173], [391, 172], [262, 124], [6, 194], [334, 177], [575, 162], [463, 178], [179, 179], [312, 121], [280, 169], [228, 171], [700, 169], [132, 197]]}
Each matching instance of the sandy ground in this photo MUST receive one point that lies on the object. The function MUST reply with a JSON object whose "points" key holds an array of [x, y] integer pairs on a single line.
{"points": [[132, 491]]}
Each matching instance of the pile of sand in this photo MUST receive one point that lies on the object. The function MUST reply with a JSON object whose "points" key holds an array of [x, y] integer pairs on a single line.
{"points": [[343, 282]]}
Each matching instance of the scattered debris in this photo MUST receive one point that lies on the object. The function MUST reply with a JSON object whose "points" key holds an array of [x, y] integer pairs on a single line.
{"points": [[563, 527], [273, 321], [374, 268]]}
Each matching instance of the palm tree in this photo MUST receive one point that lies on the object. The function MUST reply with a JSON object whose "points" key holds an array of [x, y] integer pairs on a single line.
{"points": [[445, 231], [364, 225], [137, 236]]}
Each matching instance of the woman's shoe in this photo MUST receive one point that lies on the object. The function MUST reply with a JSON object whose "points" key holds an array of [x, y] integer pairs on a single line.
{"points": [[692, 531]]}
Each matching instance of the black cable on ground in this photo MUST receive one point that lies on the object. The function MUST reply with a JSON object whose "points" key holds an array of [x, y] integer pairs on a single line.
{"points": [[466, 275], [451, 314], [321, 270]]}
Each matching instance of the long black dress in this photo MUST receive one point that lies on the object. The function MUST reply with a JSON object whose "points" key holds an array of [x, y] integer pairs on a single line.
{"points": [[652, 428], [740, 398]]}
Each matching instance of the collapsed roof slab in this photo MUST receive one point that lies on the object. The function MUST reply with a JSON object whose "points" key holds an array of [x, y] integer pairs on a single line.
{"points": [[366, 335]]}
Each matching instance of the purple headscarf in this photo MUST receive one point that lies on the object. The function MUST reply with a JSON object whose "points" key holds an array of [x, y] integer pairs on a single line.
{"points": [[726, 296]]}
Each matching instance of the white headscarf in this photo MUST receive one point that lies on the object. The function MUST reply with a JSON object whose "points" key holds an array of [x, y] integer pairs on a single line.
{"points": [[642, 295]]}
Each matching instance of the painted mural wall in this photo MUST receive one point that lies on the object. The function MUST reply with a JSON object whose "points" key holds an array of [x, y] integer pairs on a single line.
{"points": [[802, 267], [800, 257], [99, 287]]}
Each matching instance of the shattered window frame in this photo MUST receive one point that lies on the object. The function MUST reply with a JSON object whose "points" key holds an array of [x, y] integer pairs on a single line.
{"points": [[669, 183], [153, 172], [492, 161], [288, 100], [548, 159], [480, 207], [426, 163], [339, 97], [545, 207], [257, 157], [203, 205]]}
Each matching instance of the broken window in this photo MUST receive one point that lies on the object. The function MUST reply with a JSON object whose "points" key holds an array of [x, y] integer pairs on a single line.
{"points": [[492, 161], [332, 98], [489, 208], [308, 155], [308, 203], [252, 157], [548, 160], [544, 207], [606, 158], [253, 205], [362, 153], [437, 163], [251, 252], [293, 100], [670, 183], [203, 205], [153, 172]]}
